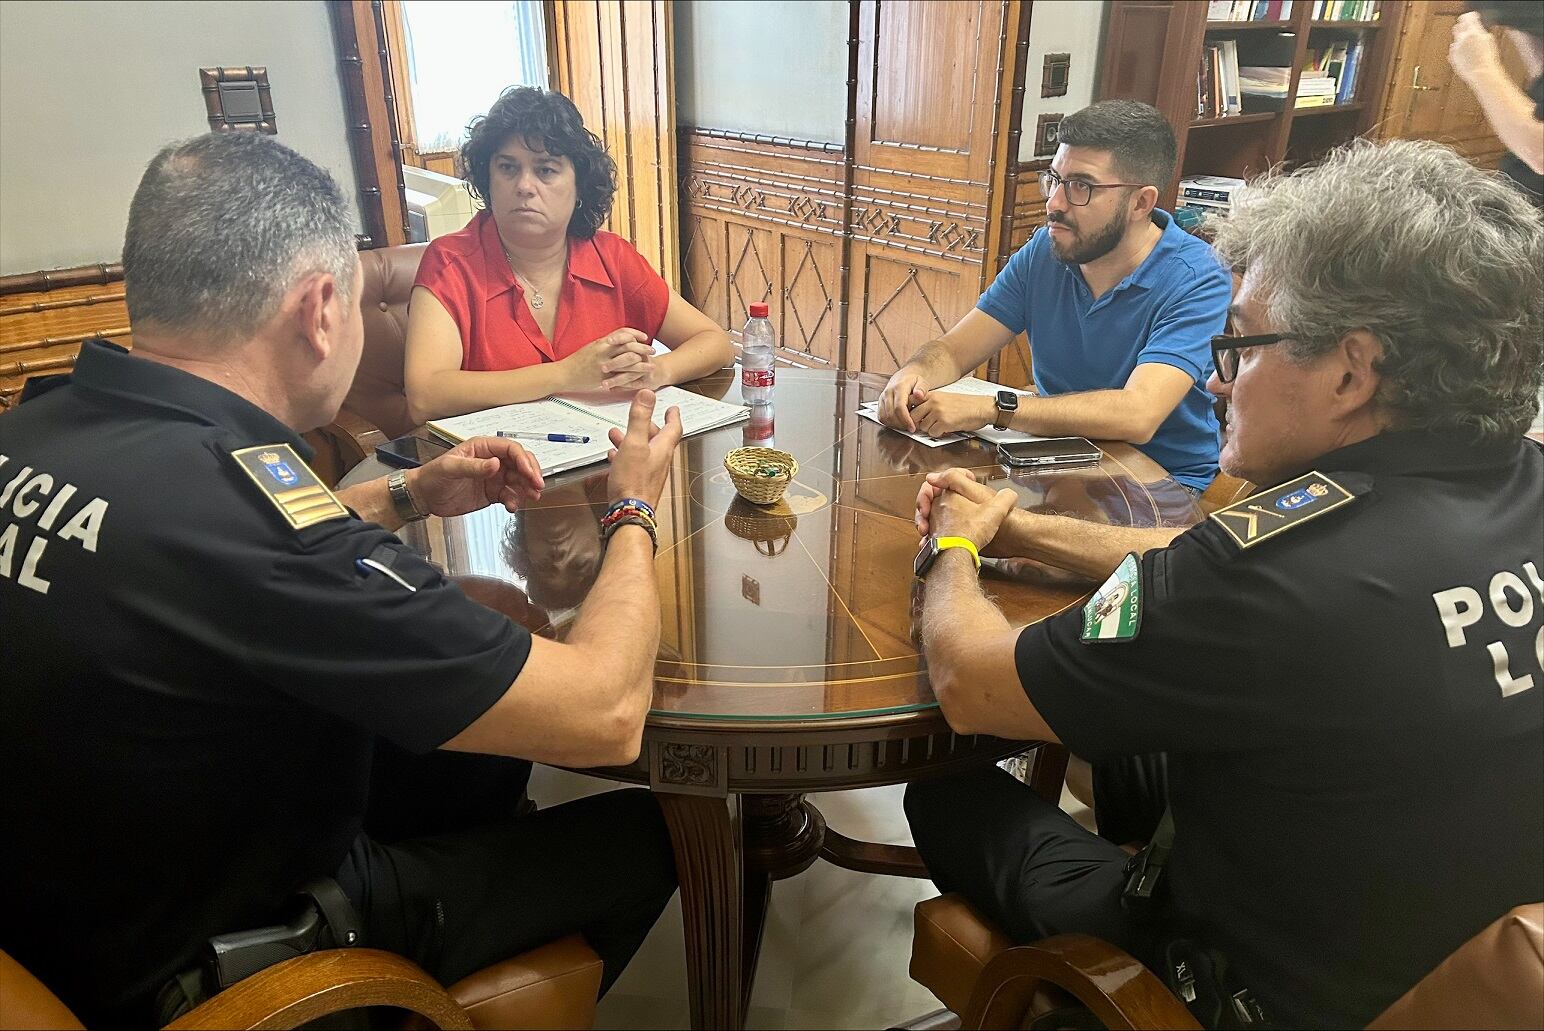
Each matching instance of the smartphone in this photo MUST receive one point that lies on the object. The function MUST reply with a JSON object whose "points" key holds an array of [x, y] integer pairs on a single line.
{"points": [[410, 451], [1052, 451]]}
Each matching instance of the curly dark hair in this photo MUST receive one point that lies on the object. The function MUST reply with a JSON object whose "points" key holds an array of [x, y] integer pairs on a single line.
{"points": [[538, 114]]}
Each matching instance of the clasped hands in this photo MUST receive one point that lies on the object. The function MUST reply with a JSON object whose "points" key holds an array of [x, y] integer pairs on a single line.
{"points": [[622, 360], [953, 503]]}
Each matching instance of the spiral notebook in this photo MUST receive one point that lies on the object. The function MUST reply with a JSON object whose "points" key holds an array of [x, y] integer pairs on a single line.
{"points": [[585, 416]]}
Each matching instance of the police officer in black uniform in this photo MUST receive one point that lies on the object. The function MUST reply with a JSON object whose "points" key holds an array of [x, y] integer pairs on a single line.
{"points": [[201, 642], [1346, 670]]}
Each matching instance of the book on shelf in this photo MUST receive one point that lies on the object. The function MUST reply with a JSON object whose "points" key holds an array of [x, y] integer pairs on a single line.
{"points": [[1315, 100], [1330, 71], [1218, 81], [1352, 65], [1248, 10], [1345, 10], [583, 416]]}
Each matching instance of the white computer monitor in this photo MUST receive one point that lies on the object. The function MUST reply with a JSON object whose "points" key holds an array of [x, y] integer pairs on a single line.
{"points": [[436, 204]]}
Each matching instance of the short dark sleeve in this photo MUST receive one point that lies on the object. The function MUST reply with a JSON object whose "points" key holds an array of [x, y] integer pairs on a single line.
{"points": [[1236, 650], [1536, 94], [416, 666]]}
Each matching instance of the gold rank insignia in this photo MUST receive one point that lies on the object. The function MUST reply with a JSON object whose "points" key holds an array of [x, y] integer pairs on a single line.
{"points": [[290, 484], [1277, 509]]}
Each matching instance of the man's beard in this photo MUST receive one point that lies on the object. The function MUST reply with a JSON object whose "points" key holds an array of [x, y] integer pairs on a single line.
{"points": [[1102, 242]]}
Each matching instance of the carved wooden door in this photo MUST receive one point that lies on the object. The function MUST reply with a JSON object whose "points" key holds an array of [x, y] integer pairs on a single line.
{"points": [[928, 101], [1427, 100]]}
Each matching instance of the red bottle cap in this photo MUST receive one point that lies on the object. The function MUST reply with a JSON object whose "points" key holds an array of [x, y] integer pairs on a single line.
{"points": [[758, 311]]}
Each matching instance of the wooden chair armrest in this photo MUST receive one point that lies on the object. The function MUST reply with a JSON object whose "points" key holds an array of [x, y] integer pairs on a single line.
{"points": [[300, 990], [364, 432], [1117, 989], [342, 444]]}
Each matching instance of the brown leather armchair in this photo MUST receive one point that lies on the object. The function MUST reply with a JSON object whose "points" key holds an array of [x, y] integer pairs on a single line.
{"points": [[1495, 980], [376, 407], [554, 986]]}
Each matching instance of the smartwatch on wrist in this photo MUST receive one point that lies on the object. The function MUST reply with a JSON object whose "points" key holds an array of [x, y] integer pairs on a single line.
{"points": [[935, 546], [402, 498], [1007, 404]]}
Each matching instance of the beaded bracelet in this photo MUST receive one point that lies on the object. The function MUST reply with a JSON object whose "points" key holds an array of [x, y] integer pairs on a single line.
{"points": [[643, 506], [616, 515], [632, 520]]}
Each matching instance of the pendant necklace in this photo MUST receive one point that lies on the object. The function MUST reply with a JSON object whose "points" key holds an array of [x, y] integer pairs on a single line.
{"points": [[537, 301]]}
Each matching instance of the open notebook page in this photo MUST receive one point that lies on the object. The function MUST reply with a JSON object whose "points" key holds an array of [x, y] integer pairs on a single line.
{"points": [[698, 413], [546, 416]]}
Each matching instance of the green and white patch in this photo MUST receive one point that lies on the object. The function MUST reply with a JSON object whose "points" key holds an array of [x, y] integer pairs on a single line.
{"points": [[1114, 613]]}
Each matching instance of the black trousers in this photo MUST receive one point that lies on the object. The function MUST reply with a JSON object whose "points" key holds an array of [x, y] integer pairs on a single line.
{"points": [[457, 899], [1027, 865]]}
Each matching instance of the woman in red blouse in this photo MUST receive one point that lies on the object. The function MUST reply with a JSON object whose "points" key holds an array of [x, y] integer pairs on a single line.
{"points": [[533, 297]]}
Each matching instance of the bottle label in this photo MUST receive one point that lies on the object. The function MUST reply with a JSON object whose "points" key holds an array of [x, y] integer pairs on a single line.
{"points": [[757, 377]]}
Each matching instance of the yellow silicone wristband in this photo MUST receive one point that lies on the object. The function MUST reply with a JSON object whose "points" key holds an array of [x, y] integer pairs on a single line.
{"points": [[960, 542]]}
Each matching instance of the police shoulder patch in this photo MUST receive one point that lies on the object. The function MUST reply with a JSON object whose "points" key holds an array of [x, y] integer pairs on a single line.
{"points": [[290, 485], [1278, 509], [1114, 613]]}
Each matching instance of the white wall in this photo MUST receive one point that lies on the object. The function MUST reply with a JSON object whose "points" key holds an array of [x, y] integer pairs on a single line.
{"points": [[90, 91], [777, 67], [1073, 27]]}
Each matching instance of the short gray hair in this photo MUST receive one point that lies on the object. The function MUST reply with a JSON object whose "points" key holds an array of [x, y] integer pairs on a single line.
{"points": [[222, 226], [1442, 262]]}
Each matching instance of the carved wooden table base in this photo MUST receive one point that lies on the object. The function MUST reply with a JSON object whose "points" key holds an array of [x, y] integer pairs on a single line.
{"points": [[735, 833]]}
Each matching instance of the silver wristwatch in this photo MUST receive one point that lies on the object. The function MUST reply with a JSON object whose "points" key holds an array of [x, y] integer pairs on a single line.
{"points": [[402, 498]]}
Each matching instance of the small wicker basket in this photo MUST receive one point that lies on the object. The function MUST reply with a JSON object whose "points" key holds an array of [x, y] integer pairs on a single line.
{"points": [[748, 468]]}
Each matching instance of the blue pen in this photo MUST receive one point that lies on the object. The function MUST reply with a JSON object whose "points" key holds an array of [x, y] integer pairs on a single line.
{"points": [[556, 438]]}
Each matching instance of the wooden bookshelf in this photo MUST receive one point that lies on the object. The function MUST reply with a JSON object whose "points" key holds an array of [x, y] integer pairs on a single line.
{"points": [[1258, 116], [1152, 51]]}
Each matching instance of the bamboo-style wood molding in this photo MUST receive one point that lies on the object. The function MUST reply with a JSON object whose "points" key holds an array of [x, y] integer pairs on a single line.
{"points": [[757, 137], [38, 307], [33, 345], [377, 168], [54, 279]]}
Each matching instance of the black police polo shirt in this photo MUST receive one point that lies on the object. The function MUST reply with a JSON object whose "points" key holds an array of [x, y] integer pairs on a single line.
{"points": [[1352, 710], [193, 687]]}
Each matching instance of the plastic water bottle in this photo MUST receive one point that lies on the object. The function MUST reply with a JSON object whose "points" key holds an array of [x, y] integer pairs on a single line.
{"points": [[760, 429], [757, 370]]}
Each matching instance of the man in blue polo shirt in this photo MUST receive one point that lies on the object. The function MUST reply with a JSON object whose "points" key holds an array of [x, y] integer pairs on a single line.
{"points": [[1119, 303]]}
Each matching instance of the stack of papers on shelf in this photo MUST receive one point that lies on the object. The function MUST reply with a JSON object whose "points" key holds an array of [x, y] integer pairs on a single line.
{"points": [[584, 417], [969, 385], [1264, 80], [1315, 91]]}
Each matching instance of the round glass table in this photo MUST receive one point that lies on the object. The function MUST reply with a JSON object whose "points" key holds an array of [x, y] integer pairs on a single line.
{"points": [[789, 658]]}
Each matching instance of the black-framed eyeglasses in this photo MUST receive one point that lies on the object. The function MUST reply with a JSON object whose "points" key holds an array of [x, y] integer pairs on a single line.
{"points": [[1225, 349], [1079, 191]]}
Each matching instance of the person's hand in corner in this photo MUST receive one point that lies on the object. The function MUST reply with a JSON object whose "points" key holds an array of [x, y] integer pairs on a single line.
{"points": [[1473, 52]]}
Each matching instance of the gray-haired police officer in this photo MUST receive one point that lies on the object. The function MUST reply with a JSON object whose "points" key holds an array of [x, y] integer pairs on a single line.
{"points": [[1346, 670], [201, 642]]}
